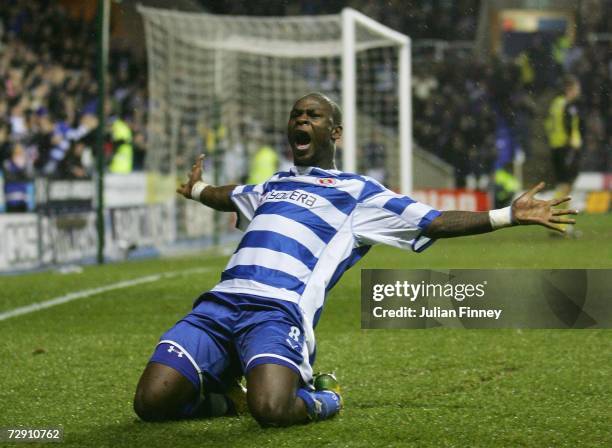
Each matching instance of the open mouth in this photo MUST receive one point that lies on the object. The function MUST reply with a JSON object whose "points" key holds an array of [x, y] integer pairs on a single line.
{"points": [[301, 139]]}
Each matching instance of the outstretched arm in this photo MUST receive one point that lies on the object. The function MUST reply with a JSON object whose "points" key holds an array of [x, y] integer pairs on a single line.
{"points": [[525, 210], [217, 198]]}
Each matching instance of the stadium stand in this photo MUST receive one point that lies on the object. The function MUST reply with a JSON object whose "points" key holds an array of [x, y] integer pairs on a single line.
{"points": [[464, 106], [49, 93], [494, 98]]}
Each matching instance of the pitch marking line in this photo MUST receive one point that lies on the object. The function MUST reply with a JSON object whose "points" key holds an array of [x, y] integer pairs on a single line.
{"points": [[94, 291]]}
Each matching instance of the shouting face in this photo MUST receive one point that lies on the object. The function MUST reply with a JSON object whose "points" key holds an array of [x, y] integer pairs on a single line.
{"points": [[312, 130]]}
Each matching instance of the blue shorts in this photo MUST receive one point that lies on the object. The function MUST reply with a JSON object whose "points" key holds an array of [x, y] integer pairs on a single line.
{"points": [[225, 336]]}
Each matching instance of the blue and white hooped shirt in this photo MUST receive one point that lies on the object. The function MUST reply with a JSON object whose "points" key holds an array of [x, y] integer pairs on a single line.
{"points": [[305, 227]]}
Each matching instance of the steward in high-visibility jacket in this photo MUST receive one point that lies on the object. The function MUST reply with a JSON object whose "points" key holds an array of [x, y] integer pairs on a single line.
{"points": [[564, 133], [263, 165], [506, 186], [123, 153]]}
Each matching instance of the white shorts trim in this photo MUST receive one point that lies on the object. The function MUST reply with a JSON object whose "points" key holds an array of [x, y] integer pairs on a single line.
{"points": [[305, 369], [190, 358]]}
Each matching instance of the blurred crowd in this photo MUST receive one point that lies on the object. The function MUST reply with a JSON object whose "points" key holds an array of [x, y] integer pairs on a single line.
{"points": [[454, 113], [48, 99], [479, 116], [475, 114], [590, 60]]}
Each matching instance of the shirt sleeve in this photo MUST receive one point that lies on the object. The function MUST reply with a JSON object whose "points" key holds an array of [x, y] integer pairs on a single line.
{"points": [[393, 219], [246, 198]]}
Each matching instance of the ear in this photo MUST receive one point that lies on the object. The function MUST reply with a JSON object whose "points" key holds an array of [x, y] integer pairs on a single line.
{"points": [[336, 133]]}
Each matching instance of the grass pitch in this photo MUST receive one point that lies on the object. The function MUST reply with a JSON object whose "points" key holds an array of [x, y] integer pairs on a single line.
{"points": [[76, 364]]}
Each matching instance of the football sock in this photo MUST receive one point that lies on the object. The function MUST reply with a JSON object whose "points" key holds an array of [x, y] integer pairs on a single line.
{"points": [[322, 404]]}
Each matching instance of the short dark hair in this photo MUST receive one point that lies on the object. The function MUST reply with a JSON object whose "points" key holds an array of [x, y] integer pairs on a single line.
{"points": [[336, 111], [570, 81]]}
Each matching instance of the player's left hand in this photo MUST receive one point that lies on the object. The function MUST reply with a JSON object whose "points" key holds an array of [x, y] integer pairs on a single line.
{"points": [[526, 209], [192, 177]]}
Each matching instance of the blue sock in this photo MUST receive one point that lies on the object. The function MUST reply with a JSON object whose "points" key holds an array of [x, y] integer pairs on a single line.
{"points": [[320, 405]]}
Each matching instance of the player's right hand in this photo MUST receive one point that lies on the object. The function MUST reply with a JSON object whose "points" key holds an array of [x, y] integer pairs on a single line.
{"points": [[192, 177]]}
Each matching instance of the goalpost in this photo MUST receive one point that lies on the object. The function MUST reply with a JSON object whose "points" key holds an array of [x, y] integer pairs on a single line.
{"points": [[224, 85], [351, 19]]}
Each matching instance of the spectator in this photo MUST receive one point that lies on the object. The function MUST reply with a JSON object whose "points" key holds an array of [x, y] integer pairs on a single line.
{"points": [[71, 166], [563, 127], [263, 164], [16, 180], [123, 150]]}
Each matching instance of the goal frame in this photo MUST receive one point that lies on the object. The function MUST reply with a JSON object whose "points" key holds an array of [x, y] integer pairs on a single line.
{"points": [[350, 17], [347, 46]]}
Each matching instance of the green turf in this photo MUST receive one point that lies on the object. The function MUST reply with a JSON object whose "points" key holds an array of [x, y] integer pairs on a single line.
{"points": [[77, 364]]}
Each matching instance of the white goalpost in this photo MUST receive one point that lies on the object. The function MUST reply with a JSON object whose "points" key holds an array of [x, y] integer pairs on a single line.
{"points": [[225, 84], [350, 18]]}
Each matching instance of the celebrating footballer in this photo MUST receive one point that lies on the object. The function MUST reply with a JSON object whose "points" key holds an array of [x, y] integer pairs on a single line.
{"points": [[303, 229]]}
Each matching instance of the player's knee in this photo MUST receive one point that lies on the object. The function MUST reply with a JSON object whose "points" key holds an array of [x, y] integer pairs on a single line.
{"points": [[153, 402], [148, 405], [162, 394], [269, 410]]}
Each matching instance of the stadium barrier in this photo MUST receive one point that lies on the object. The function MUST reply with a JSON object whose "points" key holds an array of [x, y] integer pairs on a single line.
{"points": [[454, 199], [592, 192], [139, 212]]}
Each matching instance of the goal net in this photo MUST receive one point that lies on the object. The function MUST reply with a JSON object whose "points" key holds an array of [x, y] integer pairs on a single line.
{"points": [[224, 85]]}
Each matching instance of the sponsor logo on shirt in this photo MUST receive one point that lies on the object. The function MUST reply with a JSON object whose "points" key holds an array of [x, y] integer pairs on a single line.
{"points": [[299, 197]]}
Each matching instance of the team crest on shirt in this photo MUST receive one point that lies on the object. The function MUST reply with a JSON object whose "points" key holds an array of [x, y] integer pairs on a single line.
{"points": [[326, 181]]}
